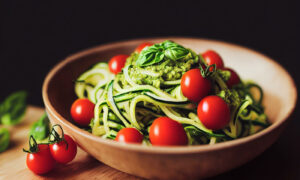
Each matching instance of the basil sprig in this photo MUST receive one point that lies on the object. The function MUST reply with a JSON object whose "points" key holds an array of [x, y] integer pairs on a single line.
{"points": [[158, 52], [12, 109]]}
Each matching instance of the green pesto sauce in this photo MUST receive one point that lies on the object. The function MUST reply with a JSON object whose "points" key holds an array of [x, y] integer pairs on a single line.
{"points": [[156, 74]]}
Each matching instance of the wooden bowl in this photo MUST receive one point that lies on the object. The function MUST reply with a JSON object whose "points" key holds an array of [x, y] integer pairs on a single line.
{"points": [[175, 162]]}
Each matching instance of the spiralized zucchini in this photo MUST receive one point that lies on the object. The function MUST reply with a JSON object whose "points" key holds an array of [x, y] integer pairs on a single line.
{"points": [[124, 101]]}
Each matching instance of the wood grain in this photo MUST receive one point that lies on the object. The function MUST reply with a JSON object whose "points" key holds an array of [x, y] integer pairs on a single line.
{"points": [[13, 160]]}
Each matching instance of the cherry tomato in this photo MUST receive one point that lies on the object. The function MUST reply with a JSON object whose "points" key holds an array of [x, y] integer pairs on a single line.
{"points": [[213, 112], [142, 46], [117, 63], [82, 111], [40, 162], [234, 78], [194, 86], [167, 132], [129, 135], [62, 152], [211, 57]]}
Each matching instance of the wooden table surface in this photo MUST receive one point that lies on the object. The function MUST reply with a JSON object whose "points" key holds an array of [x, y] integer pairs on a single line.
{"points": [[281, 161]]}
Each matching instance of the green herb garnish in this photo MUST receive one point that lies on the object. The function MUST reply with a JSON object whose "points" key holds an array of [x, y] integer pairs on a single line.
{"points": [[41, 129], [167, 50]]}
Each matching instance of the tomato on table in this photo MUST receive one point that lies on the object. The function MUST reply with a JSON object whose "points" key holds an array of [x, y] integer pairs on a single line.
{"points": [[211, 57], [142, 46], [167, 132], [213, 112], [194, 86], [129, 135], [234, 78], [64, 151], [82, 111], [117, 63], [40, 162]]}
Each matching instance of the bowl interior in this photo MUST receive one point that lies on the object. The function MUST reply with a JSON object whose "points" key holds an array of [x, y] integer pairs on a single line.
{"points": [[279, 89], [61, 87]]}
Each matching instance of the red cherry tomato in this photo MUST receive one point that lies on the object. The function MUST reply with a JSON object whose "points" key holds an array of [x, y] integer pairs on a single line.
{"points": [[142, 46], [194, 86], [62, 152], [234, 78], [129, 135], [213, 112], [117, 63], [167, 132], [211, 57], [40, 162], [82, 111]]}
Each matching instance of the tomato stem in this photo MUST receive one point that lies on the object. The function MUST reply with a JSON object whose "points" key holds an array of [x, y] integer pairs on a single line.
{"points": [[33, 146], [55, 137], [207, 70]]}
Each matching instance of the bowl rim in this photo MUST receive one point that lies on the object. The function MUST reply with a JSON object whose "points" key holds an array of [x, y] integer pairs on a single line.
{"points": [[162, 149]]}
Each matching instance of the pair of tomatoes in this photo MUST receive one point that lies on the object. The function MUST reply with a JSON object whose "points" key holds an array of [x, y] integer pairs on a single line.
{"points": [[212, 111], [163, 132], [195, 87], [211, 57], [45, 157]]}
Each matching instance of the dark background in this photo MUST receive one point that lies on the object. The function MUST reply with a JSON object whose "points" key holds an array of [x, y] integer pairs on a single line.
{"points": [[36, 35]]}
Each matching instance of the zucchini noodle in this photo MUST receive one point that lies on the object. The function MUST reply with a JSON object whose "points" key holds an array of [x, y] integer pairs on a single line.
{"points": [[127, 100]]}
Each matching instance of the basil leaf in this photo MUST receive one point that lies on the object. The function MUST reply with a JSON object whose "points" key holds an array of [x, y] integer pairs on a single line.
{"points": [[13, 108], [158, 52], [168, 44], [4, 139], [145, 57], [175, 53], [40, 129], [150, 55], [159, 56]]}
